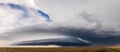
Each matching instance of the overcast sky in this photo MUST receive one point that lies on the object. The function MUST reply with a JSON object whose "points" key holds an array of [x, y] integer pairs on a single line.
{"points": [[99, 15]]}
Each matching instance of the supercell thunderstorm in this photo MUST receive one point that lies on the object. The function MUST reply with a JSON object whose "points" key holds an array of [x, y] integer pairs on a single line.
{"points": [[59, 22]]}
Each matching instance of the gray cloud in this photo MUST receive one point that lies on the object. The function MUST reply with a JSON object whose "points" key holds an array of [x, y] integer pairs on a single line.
{"points": [[37, 33]]}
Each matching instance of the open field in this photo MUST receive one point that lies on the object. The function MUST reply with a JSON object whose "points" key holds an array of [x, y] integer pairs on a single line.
{"points": [[53, 49]]}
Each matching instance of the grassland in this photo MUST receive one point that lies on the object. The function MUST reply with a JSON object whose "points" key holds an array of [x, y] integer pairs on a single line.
{"points": [[70, 49]]}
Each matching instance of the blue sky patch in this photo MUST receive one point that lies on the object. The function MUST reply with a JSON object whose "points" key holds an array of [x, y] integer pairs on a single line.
{"points": [[44, 15]]}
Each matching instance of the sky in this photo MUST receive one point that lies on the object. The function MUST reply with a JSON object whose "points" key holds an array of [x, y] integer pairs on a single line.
{"points": [[57, 17]]}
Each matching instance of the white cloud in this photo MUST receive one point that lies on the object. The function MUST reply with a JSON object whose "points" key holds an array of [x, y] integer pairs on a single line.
{"points": [[104, 12], [4, 43], [12, 18]]}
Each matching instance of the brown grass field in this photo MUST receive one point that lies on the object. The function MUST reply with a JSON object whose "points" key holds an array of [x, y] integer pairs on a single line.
{"points": [[59, 49]]}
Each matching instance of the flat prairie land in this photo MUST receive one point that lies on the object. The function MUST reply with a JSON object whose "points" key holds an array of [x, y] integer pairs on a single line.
{"points": [[58, 49]]}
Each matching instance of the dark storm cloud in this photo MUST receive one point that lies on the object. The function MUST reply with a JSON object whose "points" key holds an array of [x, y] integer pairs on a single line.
{"points": [[101, 38]]}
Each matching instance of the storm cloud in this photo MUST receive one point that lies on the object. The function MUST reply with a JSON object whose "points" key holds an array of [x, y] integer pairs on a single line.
{"points": [[95, 22]]}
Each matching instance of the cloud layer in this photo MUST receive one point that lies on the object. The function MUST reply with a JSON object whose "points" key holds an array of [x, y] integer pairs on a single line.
{"points": [[89, 20]]}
